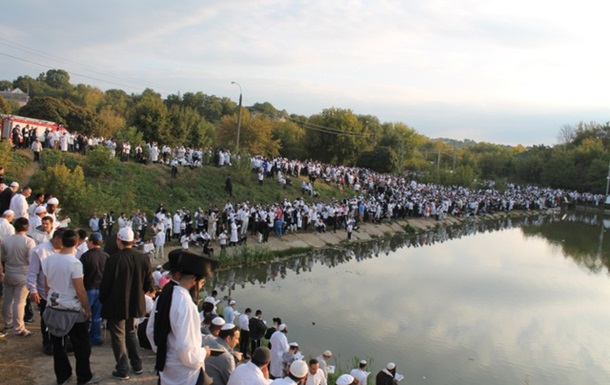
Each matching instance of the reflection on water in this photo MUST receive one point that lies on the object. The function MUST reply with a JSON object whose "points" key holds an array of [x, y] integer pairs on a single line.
{"points": [[502, 302], [579, 235]]}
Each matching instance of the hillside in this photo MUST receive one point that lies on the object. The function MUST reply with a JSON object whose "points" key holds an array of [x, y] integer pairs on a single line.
{"points": [[96, 183]]}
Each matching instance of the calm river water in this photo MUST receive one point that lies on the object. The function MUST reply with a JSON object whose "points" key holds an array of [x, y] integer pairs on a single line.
{"points": [[521, 301]]}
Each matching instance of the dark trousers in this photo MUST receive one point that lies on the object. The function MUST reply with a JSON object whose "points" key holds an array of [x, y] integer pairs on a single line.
{"points": [[46, 337], [244, 341], [255, 344], [124, 339], [28, 314], [82, 351]]}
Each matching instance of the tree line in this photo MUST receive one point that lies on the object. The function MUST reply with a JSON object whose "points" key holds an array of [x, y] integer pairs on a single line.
{"points": [[579, 161]]}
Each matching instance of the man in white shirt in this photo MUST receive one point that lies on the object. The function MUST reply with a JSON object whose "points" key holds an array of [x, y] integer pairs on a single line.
{"points": [[19, 203], [6, 228], [296, 374], [16, 251], [316, 375], [279, 345], [173, 326], [67, 297], [36, 218], [229, 312], [323, 359], [360, 373], [36, 282], [94, 223], [255, 371], [244, 342]]}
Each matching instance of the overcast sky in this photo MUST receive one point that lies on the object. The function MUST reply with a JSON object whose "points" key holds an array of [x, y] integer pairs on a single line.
{"points": [[510, 72]]}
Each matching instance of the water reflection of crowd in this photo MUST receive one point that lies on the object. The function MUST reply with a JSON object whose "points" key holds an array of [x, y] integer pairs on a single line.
{"points": [[360, 251]]}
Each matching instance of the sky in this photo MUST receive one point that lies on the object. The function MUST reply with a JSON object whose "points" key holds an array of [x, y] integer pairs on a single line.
{"points": [[494, 71]]}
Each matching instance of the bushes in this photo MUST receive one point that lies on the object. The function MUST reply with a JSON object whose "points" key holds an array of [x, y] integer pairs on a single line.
{"points": [[70, 188]]}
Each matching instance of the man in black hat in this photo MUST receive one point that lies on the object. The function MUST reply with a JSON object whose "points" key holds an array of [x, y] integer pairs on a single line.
{"points": [[174, 325]]}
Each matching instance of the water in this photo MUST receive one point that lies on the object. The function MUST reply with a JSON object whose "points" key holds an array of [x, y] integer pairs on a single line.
{"points": [[509, 302]]}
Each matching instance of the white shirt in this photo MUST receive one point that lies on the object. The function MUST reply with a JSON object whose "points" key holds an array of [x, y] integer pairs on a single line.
{"points": [[360, 375], [60, 270], [81, 249], [318, 378], [19, 205], [34, 222], [244, 322], [6, 229], [156, 276], [229, 313], [248, 374], [185, 355], [283, 381], [160, 238], [279, 345]]}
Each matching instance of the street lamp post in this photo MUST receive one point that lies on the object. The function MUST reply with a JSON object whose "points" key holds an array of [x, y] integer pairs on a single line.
{"points": [[607, 185], [238, 117]]}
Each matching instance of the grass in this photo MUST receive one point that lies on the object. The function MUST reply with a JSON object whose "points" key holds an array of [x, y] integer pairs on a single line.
{"points": [[252, 255], [125, 187]]}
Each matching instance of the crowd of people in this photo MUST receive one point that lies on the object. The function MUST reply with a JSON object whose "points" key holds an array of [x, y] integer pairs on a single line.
{"points": [[78, 278]]}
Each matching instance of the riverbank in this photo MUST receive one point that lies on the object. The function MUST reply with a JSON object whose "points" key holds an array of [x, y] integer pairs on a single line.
{"points": [[292, 244], [23, 362]]}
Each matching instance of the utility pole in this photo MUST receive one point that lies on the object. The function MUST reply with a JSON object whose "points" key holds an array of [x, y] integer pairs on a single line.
{"points": [[607, 201], [438, 160], [238, 118], [454, 156]]}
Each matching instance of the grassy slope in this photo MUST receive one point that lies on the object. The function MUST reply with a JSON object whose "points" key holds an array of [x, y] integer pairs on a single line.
{"points": [[129, 186]]}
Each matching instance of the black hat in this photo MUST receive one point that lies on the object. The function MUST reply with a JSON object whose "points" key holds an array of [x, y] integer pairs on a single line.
{"points": [[172, 263], [190, 263]]}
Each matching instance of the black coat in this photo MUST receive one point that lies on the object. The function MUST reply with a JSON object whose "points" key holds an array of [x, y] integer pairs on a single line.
{"points": [[127, 275], [257, 328], [5, 199]]}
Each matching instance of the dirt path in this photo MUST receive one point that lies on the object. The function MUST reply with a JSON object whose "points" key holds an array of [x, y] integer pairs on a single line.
{"points": [[29, 172]]}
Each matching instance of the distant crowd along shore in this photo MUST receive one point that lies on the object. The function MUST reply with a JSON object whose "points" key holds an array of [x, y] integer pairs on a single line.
{"points": [[377, 197]]}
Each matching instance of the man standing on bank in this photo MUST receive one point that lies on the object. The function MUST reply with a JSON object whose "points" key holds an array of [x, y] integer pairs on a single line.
{"points": [[173, 326], [127, 276]]}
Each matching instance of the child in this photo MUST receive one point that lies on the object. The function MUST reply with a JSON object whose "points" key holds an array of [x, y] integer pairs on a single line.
{"points": [[222, 238], [184, 242], [148, 249]]}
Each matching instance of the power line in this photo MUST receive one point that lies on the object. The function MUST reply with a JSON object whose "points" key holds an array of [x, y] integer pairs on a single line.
{"points": [[89, 68], [327, 130], [70, 72]]}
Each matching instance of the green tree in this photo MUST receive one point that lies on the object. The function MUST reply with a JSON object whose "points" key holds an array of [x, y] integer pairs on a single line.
{"points": [[255, 134], [70, 188], [5, 107], [87, 97], [131, 135], [187, 127], [380, 159], [336, 136], [290, 136], [150, 116], [32, 86], [110, 122], [6, 85], [57, 78], [46, 108], [266, 109]]}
